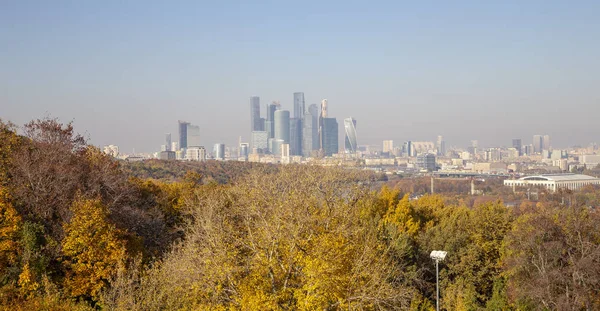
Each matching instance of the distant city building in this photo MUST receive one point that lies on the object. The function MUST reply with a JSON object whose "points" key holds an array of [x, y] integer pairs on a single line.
{"points": [[270, 121], [193, 136], [554, 182], [299, 108], [195, 154], [168, 142], [309, 129], [493, 154], [423, 147], [259, 141], [407, 149], [295, 136], [590, 160], [167, 155], [255, 121], [330, 136], [322, 117], [388, 146], [350, 138], [282, 126], [174, 146], [546, 143], [111, 150], [244, 150], [219, 151], [426, 162], [517, 144], [285, 150], [183, 134], [540, 143], [441, 146], [324, 108], [276, 145]]}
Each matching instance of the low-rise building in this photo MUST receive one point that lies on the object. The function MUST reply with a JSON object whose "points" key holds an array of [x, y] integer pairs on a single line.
{"points": [[554, 182]]}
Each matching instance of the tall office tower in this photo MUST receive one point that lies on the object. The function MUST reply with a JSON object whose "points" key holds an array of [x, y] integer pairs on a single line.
{"points": [[193, 136], [473, 148], [168, 142], [538, 143], [324, 108], [282, 125], [330, 136], [295, 136], [517, 144], [314, 112], [310, 131], [270, 120], [388, 146], [408, 149], [255, 123], [299, 108], [183, 134], [219, 151], [441, 146], [174, 146], [546, 143], [350, 141], [322, 116]]}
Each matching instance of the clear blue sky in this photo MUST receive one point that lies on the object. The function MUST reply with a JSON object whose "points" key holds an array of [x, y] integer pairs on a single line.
{"points": [[126, 71]]}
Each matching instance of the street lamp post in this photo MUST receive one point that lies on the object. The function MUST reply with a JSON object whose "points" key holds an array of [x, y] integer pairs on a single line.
{"points": [[437, 256]]}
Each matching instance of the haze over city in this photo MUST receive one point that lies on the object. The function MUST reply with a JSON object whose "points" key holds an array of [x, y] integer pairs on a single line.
{"points": [[126, 72]]}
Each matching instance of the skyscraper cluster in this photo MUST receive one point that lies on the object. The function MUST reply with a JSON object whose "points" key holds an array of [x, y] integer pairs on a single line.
{"points": [[309, 131], [541, 143]]}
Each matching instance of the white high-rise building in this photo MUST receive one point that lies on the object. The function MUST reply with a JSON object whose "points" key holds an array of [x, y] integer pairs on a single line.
{"points": [[388, 146], [324, 108], [195, 154], [441, 146]]}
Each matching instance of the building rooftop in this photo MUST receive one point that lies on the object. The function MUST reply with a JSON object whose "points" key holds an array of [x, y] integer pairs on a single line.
{"points": [[559, 177]]}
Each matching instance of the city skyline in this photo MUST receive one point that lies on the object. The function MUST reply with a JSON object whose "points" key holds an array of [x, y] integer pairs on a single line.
{"points": [[485, 71]]}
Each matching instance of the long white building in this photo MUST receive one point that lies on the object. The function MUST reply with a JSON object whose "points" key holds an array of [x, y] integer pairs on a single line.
{"points": [[555, 181]]}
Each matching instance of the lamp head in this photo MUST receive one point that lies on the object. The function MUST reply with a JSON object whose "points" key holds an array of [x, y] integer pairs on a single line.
{"points": [[438, 255]]}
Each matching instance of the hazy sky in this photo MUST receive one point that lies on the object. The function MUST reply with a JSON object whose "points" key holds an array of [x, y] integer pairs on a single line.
{"points": [[126, 71]]}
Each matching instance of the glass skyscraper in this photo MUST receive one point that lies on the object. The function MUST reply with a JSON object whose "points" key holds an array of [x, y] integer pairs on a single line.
{"points": [[330, 136], [350, 141], [193, 136], [299, 108], [310, 131], [255, 121], [183, 134], [295, 136], [282, 125], [270, 121]]}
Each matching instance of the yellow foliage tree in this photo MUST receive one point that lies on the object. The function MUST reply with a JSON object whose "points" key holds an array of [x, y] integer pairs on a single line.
{"points": [[403, 217], [92, 247], [10, 224]]}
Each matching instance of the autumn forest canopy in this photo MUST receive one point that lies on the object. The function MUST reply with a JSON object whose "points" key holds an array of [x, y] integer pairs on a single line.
{"points": [[80, 230]]}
